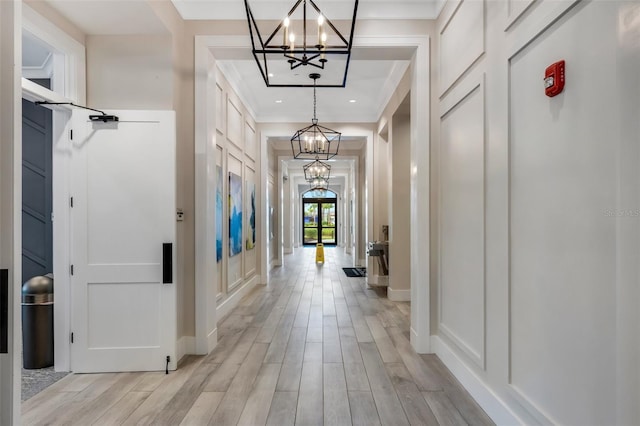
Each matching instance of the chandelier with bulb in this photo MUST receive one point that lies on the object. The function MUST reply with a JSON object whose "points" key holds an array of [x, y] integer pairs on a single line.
{"points": [[295, 43], [315, 142]]}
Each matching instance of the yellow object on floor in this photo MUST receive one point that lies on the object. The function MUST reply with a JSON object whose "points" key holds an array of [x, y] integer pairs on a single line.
{"points": [[319, 253]]}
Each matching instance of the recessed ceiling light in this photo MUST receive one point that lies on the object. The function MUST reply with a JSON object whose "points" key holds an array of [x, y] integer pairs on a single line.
{"points": [[353, 101], [270, 74], [279, 101]]}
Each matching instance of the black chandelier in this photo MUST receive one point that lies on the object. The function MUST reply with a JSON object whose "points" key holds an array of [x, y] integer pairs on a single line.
{"points": [[315, 142], [289, 46], [317, 171]]}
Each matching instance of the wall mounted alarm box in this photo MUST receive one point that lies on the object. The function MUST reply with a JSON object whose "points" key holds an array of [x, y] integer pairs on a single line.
{"points": [[554, 79]]}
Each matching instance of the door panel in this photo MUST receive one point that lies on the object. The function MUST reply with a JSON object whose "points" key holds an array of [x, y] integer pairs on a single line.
{"points": [[310, 223], [124, 317], [37, 229]]}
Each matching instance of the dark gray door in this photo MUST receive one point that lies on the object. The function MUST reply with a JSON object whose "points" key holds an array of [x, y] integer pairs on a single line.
{"points": [[37, 229]]}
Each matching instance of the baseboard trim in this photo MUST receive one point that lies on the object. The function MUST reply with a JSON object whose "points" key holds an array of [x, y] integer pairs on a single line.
{"points": [[484, 396], [212, 340], [232, 301], [288, 250], [399, 295], [186, 346]]}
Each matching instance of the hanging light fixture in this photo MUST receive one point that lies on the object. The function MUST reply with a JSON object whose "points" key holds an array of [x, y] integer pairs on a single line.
{"points": [[316, 170], [290, 45], [319, 185], [315, 142]]}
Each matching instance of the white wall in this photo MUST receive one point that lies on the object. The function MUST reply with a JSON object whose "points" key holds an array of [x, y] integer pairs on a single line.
{"points": [[537, 198], [400, 226], [130, 72]]}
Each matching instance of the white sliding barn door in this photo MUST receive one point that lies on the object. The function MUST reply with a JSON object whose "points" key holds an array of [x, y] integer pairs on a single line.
{"points": [[123, 214]]}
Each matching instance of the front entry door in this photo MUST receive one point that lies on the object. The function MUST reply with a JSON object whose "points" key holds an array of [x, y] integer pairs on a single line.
{"points": [[319, 221], [123, 214]]}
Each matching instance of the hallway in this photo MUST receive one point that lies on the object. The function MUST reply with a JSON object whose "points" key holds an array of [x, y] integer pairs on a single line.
{"points": [[312, 347]]}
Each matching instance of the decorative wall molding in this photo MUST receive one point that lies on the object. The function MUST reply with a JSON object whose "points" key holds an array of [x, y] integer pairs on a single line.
{"points": [[537, 22], [234, 124], [515, 10], [468, 88], [491, 403], [463, 33]]}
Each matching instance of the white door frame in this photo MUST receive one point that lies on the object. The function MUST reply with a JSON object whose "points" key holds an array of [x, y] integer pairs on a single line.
{"points": [[11, 203], [68, 85]]}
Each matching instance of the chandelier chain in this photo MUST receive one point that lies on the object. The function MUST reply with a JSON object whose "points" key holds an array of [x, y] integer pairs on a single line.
{"points": [[314, 99]]}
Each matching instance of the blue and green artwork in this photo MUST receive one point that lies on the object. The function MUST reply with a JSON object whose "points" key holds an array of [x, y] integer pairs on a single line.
{"points": [[251, 235], [235, 214], [218, 213]]}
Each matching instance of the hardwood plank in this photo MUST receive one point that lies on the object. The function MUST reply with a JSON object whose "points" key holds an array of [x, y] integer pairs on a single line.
{"points": [[310, 404], [360, 325], [386, 347], [314, 334], [159, 398], [150, 381], [256, 410], [315, 315], [468, 408], [363, 409], [425, 377], [331, 349], [336, 401], [278, 344], [39, 414], [349, 346], [414, 404], [93, 402], [389, 408], [118, 413], [313, 352], [342, 315], [283, 409], [241, 349], [443, 409], [221, 378], [356, 376], [177, 407], [232, 404], [202, 409], [289, 379], [295, 347]]}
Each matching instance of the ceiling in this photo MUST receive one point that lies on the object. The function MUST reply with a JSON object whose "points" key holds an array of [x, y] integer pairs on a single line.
{"points": [[373, 72], [337, 9]]}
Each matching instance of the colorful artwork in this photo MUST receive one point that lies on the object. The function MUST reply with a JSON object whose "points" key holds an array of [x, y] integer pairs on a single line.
{"points": [[251, 234], [218, 213], [235, 214]]}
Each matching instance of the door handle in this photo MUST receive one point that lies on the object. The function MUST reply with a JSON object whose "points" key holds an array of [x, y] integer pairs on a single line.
{"points": [[167, 263], [4, 311]]}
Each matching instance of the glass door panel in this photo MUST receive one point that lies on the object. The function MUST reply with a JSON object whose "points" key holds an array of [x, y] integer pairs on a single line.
{"points": [[310, 223], [328, 217]]}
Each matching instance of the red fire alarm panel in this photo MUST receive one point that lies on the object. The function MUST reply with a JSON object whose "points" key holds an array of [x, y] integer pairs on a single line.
{"points": [[554, 79]]}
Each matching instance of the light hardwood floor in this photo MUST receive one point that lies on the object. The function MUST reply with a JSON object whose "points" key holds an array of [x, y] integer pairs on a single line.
{"points": [[313, 347]]}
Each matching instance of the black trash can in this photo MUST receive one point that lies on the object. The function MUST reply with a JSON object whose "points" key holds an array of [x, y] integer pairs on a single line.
{"points": [[37, 323]]}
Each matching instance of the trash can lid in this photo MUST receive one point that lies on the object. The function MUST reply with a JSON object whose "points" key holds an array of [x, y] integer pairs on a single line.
{"points": [[37, 286]]}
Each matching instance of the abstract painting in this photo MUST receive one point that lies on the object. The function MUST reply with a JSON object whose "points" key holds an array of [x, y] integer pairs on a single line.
{"points": [[218, 213], [235, 214], [251, 234]]}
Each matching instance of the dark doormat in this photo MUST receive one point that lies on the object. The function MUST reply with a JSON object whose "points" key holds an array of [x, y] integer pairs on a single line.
{"points": [[355, 272]]}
